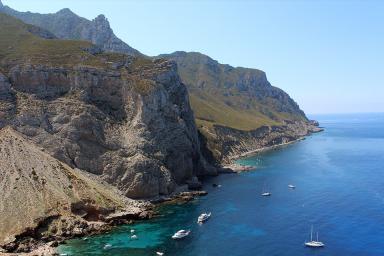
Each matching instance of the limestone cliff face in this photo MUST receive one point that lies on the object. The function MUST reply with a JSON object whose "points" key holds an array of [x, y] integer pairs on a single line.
{"points": [[133, 126]]}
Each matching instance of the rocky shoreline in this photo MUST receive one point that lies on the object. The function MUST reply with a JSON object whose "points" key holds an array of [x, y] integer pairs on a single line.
{"points": [[264, 149], [234, 167], [71, 228], [35, 242]]}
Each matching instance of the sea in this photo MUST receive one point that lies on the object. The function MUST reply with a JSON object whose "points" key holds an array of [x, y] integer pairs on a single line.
{"points": [[339, 179]]}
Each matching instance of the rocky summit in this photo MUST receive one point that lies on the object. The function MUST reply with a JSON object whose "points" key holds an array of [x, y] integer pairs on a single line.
{"points": [[67, 25]]}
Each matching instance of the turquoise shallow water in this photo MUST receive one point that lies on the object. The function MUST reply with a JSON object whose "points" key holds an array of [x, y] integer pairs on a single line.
{"points": [[339, 176]]}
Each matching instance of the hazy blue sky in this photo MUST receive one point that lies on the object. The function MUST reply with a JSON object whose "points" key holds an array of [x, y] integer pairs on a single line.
{"points": [[328, 55]]}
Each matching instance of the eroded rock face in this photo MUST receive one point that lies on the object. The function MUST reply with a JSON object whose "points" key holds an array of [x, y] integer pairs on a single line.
{"points": [[134, 127]]}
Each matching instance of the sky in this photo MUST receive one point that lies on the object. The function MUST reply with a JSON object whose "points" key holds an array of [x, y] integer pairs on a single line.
{"points": [[328, 55]]}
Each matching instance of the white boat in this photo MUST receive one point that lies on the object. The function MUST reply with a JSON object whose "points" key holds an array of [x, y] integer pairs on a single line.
{"points": [[160, 253], [314, 243], [181, 234], [291, 186], [203, 217], [132, 231], [107, 246], [265, 192], [134, 237]]}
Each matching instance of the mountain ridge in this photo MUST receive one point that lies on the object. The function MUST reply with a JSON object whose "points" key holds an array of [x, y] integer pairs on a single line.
{"points": [[237, 110], [65, 24]]}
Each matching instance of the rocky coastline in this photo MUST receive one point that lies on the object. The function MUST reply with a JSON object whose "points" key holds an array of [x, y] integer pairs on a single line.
{"points": [[33, 243]]}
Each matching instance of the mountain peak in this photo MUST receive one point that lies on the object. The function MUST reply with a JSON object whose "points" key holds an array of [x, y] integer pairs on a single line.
{"points": [[65, 11], [101, 19]]}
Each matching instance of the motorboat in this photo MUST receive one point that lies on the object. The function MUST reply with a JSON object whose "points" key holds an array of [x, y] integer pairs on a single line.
{"points": [[203, 217], [314, 243], [134, 237], [160, 253], [181, 234], [291, 186]]}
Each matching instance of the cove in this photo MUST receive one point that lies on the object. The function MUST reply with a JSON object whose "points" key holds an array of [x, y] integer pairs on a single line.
{"points": [[339, 178]]}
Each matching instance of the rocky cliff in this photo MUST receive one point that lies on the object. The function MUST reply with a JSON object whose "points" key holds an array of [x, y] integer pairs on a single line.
{"points": [[67, 25], [237, 110], [126, 119]]}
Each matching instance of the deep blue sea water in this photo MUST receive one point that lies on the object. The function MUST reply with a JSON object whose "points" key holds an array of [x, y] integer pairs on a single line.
{"points": [[339, 175]]}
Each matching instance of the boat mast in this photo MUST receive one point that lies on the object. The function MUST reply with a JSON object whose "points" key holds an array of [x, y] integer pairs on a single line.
{"points": [[311, 232], [317, 236]]}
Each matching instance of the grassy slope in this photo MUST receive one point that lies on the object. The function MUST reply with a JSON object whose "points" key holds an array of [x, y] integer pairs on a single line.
{"points": [[17, 43], [218, 96], [34, 185]]}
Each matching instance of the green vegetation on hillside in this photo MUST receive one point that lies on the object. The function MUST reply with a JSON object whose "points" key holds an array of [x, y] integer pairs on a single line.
{"points": [[239, 98], [21, 44], [17, 43]]}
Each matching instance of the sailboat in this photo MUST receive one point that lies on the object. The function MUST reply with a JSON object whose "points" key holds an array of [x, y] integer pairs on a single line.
{"points": [[314, 243], [265, 192]]}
